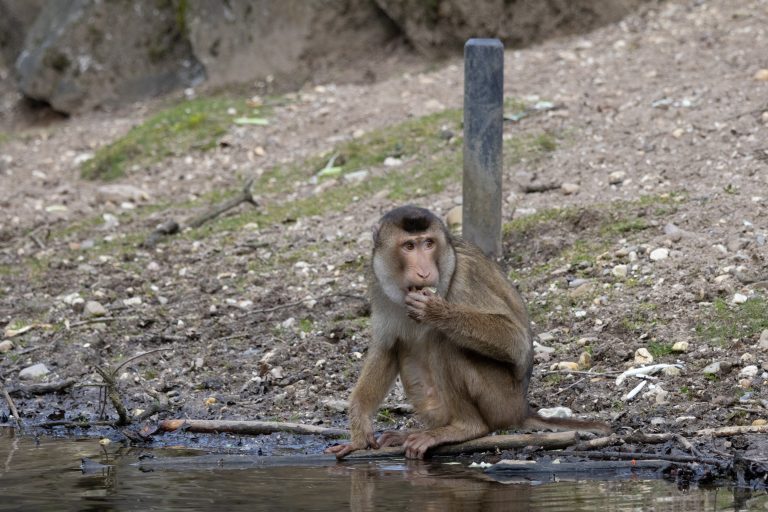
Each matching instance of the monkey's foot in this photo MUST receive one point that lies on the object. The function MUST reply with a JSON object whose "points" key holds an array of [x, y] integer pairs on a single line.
{"points": [[417, 444], [393, 438]]}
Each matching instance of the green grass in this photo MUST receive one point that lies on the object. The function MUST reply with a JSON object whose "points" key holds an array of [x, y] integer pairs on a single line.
{"points": [[194, 125], [659, 349], [725, 322]]}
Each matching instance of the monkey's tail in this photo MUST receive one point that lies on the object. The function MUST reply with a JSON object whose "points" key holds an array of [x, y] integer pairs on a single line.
{"points": [[536, 422]]}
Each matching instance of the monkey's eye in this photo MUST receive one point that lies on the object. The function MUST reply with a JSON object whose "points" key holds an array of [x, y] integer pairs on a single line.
{"points": [[429, 243], [409, 246]]}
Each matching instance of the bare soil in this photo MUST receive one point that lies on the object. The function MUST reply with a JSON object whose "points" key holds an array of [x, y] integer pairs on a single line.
{"points": [[668, 97]]}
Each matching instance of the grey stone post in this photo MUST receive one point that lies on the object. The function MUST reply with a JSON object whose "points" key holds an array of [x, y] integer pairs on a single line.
{"points": [[483, 118]]}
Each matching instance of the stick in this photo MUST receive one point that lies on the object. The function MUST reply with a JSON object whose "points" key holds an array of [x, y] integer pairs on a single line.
{"points": [[533, 188], [597, 443], [76, 424], [649, 456], [12, 406], [248, 427], [245, 196], [733, 431], [131, 359], [43, 389], [101, 319], [114, 396]]}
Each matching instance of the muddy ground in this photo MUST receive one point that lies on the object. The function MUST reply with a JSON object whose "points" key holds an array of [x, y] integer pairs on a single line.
{"points": [[650, 233]]}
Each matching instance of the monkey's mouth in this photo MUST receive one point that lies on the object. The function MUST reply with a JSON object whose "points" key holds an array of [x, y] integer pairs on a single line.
{"points": [[430, 289]]}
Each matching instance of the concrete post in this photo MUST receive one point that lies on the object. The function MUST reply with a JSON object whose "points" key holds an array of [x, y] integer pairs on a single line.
{"points": [[483, 119]]}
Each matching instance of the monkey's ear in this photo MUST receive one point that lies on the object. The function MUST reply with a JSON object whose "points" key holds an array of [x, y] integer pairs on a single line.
{"points": [[375, 233]]}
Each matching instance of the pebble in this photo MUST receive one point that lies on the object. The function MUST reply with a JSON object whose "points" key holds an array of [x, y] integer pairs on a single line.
{"points": [[680, 346], [546, 337], [748, 372], [659, 254], [565, 365], [94, 309], [739, 298], [288, 323], [759, 423], [762, 75], [642, 356], [763, 343], [356, 176], [132, 301], [454, 217], [712, 369], [72, 299], [747, 358], [620, 271], [277, 372], [34, 372], [543, 349], [671, 371], [153, 266], [337, 405], [585, 360], [556, 412], [569, 188], [673, 232], [6, 346], [391, 161], [577, 282], [722, 278], [616, 177]]}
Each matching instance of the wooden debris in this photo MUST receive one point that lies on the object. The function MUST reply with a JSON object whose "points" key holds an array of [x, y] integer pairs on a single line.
{"points": [[42, 389], [248, 427], [733, 431]]}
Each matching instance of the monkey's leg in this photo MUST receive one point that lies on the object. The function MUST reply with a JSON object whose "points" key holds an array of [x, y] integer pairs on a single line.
{"points": [[378, 374], [418, 443]]}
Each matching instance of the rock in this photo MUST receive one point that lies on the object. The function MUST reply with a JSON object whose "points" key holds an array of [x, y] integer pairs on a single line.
{"points": [[119, 193], [288, 323], [538, 347], [747, 358], [713, 369], [556, 412], [748, 372], [616, 177], [565, 365], [569, 188], [546, 337], [73, 299], [763, 343], [356, 177], [34, 372], [673, 232], [337, 405], [454, 218], [620, 271], [642, 356], [745, 383], [391, 161], [680, 346], [739, 298], [585, 360], [759, 423], [277, 372], [762, 75], [74, 60], [722, 278], [132, 301], [659, 395], [94, 309], [581, 291], [6, 346], [575, 283], [659, 254], [671, 371]]}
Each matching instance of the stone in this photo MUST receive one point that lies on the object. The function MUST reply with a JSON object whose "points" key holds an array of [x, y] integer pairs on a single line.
{"points": [[680, 346], [739, 298], [6, 346], [94, 309], [73, 60], [759, 423], [659, 254], [642, 356], [620, 271], [763, 342], [546, 337], [356, 176], [673, 232], [454, 217], [556, 412], [616, 177], [748, 372], [119, 193], [713, 368], [585, 360], [671, 371], [762, 75], [277, 372], [565, 365], [569, 189], [132, 301], [34, 372]]}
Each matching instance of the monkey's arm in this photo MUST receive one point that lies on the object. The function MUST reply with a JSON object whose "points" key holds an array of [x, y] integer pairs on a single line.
{"points": [[499, 336], [376, 379]]}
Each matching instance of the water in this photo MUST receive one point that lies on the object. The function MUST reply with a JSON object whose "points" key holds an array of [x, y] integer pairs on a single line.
{"points": [[46, 475]]}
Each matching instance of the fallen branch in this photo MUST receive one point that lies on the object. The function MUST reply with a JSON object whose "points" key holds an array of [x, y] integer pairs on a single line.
{"points": [[733, 431], [114, 395], [533, 188], [248, 427], [597, 443], [76, 424], [101, 319], [172, 227], [42, 389], [131, 359], [12, 406]]}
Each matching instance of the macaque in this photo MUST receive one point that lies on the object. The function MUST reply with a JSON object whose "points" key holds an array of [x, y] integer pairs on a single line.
{"points": [[445, 318]]}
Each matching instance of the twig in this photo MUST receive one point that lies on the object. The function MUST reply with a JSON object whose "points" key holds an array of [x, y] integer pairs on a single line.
{"points": [[114, 395], [101, 319], [571, 386], [733, 431], [43, 389], [12, 406], [649, 456], [37, 241], [248, 427], [131, 359], [597, 443], [533, 188], [688, 445], [76, 424]]}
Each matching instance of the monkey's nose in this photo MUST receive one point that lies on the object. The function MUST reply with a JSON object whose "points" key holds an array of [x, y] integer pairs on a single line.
{"points": [[423, 275]]}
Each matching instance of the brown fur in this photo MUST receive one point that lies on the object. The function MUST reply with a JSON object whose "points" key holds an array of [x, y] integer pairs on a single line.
{"points": [[464, 355]]}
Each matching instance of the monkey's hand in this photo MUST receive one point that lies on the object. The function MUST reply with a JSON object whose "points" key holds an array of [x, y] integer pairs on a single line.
{"points": [[342, 450], [422, 302]]}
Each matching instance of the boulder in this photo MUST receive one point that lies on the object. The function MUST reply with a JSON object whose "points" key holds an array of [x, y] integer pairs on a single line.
{"points": [[81, 54], [16, 16], [441, 27]]}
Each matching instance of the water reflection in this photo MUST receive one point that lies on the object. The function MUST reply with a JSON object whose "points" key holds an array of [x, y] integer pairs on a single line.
{"points": [[47, 476]]}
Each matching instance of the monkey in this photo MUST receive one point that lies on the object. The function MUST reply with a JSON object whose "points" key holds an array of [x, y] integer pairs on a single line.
{"points": [[445, 319]]}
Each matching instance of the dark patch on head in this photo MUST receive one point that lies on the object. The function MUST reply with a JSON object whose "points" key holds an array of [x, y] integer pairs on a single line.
{"points": [[411, 219]]}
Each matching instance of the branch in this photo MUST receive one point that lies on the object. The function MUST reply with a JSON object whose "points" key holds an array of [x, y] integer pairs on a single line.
{"points": [[733, 431], [12, 406], [650, 456], [114, 395], [42, 389], [248, 427]]}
